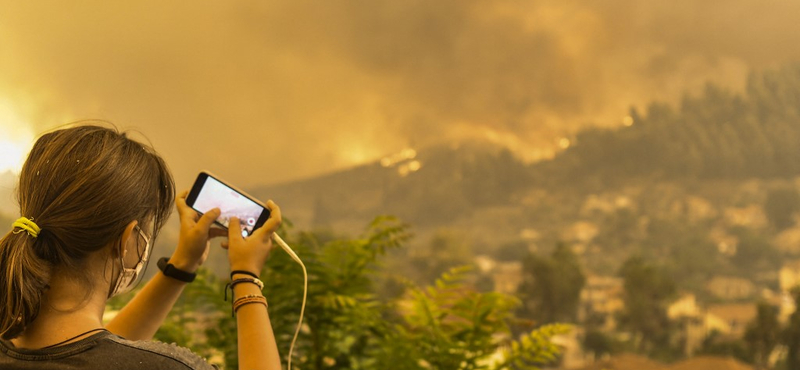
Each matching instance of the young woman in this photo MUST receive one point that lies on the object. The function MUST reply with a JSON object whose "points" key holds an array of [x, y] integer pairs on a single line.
{"points": [[92, 202]]}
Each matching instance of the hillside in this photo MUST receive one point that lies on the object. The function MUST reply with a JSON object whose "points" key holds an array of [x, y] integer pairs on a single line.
{"points": [[715, 136], [689, 186], [432, 187], [712, 136]]}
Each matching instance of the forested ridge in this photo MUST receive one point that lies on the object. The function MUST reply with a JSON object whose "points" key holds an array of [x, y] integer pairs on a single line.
{"points": [[718, 134]]}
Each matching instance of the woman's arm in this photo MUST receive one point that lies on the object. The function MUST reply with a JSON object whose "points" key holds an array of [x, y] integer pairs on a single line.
{"points": [[256, 341], [144, 314]]}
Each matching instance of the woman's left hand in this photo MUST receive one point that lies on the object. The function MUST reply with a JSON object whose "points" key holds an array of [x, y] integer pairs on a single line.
{"points": [[193, 241]]}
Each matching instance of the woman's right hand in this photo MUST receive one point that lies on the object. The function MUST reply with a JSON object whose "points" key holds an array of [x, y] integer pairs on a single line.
{"points": [[251, 253]]}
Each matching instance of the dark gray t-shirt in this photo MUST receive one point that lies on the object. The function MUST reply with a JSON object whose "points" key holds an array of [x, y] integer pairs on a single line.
{"points": [[103, 350]]}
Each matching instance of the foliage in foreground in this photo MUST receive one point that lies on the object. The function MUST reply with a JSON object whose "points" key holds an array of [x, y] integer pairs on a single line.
{"points": [[448, 325]]}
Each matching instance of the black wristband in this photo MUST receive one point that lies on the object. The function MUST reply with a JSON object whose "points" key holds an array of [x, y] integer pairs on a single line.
{"points": [[243, 272], [169, 270]]}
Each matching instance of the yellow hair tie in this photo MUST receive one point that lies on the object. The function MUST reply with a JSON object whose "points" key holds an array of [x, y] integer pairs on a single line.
{"points": [[28, 225]]}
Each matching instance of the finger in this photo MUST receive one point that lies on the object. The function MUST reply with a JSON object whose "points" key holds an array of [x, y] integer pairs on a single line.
{"points": [[275, 218], [180, 203], [234, 230], [215, 232], [224, 245], [272, 223], [208, 218]]}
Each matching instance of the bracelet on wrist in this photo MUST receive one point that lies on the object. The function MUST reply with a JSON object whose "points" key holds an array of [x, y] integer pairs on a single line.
{"points": [[170, 270], [247, 280], [232, 284], [243, 272], [248, 299]]}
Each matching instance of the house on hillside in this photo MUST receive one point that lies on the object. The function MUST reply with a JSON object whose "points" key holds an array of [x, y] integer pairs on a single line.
{"points": [[506, 276], [684, 306], [572, 355], [601, 300], [730, 288], [698, 209], [580, 232], [788, 241], [484, 263], [789, 276], [751, 216], [605, 203], [689, 315], [597, 204]]}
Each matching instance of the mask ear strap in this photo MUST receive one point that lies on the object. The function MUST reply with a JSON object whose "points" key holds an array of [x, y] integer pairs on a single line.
{"points": [[115, 277]]}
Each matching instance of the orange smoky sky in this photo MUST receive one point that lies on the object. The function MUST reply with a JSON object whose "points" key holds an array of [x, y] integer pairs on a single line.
{"points": [[269, 91]]}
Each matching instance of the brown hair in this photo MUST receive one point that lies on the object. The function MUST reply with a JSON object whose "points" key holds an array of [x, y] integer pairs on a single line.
{"points": [[82, 186]]}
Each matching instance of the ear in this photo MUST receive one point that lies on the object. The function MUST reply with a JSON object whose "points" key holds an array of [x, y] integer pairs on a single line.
{"points": [[129, 236]]}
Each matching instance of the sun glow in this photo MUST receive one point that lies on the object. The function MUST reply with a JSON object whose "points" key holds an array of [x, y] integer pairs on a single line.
{"points": [[16, 139]]}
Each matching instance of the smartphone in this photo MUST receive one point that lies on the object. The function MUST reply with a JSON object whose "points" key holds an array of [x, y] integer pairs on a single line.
{"points": [[209, 192]]}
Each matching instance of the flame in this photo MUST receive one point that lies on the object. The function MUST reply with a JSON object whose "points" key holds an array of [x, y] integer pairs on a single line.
{"points": [[392, 160], [627, 121], [529, 148]]}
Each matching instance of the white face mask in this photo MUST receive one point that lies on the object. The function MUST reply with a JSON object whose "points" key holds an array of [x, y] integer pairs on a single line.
{"points": [[129, 277]]}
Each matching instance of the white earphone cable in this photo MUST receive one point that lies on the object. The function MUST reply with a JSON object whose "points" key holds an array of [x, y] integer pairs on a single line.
{"points": [[294, 256]]}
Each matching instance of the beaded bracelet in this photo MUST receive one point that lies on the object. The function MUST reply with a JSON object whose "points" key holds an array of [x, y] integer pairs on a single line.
{"points": [[248, 299], [232, 284], [248, 280]]}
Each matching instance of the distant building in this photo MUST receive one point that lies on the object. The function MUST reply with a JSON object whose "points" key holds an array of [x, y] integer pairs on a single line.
{"points": [[789, 275], [601, 298], [751, 216], [698, 209], [581, 231], [685, 306], [597, 204], [788, 241], [485, 263], [689, 315], [730, 288], [572, 355]]}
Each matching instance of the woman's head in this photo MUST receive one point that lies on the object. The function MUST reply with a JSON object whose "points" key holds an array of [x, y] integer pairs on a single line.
{"points": [[82, 186]]}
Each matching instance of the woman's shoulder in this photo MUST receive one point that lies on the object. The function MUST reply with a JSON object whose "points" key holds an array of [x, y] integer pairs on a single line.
{"points": [[103, 350], [158, 354]]}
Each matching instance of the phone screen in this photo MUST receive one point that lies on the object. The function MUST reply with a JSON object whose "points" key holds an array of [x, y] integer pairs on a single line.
{"points": [[214, 194]]}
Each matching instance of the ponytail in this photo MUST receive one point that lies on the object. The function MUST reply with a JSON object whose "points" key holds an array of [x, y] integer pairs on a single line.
{"points": [[23, 281]]}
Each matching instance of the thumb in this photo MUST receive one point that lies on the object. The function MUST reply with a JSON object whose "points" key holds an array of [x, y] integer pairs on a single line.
{"points": [[234, 230], [208, 219]]}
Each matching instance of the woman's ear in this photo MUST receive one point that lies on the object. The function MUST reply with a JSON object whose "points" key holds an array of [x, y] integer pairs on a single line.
{"points": [[129, 237]]}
